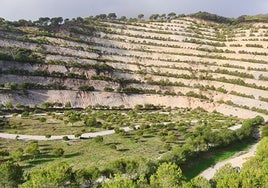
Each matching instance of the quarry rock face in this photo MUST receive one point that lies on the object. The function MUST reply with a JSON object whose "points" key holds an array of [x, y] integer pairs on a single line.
{"points": [[183, 62]]}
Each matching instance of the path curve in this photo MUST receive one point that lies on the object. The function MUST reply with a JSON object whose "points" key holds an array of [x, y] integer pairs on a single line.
{"points": [[59, 137], [236, 161]]}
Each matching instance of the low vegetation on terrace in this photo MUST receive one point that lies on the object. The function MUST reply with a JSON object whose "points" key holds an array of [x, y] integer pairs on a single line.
{"points": [[117, 61]]}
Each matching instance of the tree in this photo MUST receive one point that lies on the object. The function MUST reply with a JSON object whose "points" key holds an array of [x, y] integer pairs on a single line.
{"points": [[111, 16], [138, 107], [262, 149], [56, 175], [22, 22], [74, 117], [123, 18], [140, 16], [22, 54], [264, 131], [68, 104], [58, 152], [45, 105], [48, 135], [17, 155], [101, 16], [211, 17], [226, 176], [167, 175], [171, 15], [88, 175], [43, 21], [198, 182], [65, 138], [90, 122], [3, 153], [162, 16], [251, 174], [56, 21], [2, 20], [3, 122], [123, 166], [241, 18], [154, 17], [86, 88], [119, 182], [42, 119], [32, 148], [10, 175], [9, 105], [113, 146], [10, 85], [25, 114], [98, 139]]}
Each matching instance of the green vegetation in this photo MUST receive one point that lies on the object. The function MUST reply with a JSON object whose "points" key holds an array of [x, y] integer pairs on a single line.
{"points": [[210, 158], [254, 45], [86, 88], [212, 17], [121, 59], [122, 153]]}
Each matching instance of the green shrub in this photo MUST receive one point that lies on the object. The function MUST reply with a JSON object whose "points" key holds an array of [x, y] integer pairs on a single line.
{"points": [[86, 88], [48, 135], [25, 114], [42, 119], [65, 138], [58, 152], [98, 139]]}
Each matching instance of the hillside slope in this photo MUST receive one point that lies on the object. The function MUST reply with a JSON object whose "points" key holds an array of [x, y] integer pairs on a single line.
{"points": [[182, 62]]}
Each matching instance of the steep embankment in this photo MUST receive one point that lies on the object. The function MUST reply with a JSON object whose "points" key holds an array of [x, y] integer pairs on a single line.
{"points": [[181, 62]]}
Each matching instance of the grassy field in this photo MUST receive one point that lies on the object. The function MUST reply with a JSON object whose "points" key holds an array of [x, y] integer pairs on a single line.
{"points": [[53, 125], [80, 153], [158, 133], [62, 124]]}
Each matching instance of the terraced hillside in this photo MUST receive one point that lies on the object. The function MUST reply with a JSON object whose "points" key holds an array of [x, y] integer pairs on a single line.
{"points": [[182, 62]]}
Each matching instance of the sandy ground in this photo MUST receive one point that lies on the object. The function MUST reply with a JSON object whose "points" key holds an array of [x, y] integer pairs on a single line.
{"points": [[236, 161]]}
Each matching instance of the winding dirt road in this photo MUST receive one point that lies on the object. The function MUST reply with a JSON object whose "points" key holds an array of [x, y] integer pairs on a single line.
{"points": [[236, 161], [59, 137]]}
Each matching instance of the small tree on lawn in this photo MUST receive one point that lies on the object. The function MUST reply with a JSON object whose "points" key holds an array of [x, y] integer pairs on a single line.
{"points": [[98, 139], [58, 152], [32, 148]]}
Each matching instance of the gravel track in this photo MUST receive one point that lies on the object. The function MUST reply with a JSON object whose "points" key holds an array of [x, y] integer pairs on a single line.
{"points": [[59, 137], [236, 161]]}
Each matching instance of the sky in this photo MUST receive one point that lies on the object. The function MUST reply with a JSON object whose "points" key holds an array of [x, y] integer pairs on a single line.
{"points": [[33, 9]]}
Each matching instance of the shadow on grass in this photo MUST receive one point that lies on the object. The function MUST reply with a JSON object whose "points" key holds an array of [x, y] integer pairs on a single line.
{"points": [[128, 136], [84, 138], [115, 143], [140, 141], [44, 158], [45, 150], [77, 126], [52, 123], [72, 155], [44, 145], [148, 136], [123, 150], [37, 161]]}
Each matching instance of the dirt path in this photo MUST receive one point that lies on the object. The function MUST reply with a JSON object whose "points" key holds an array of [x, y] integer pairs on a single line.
{"points": [[236, 161], [59, 137]]}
